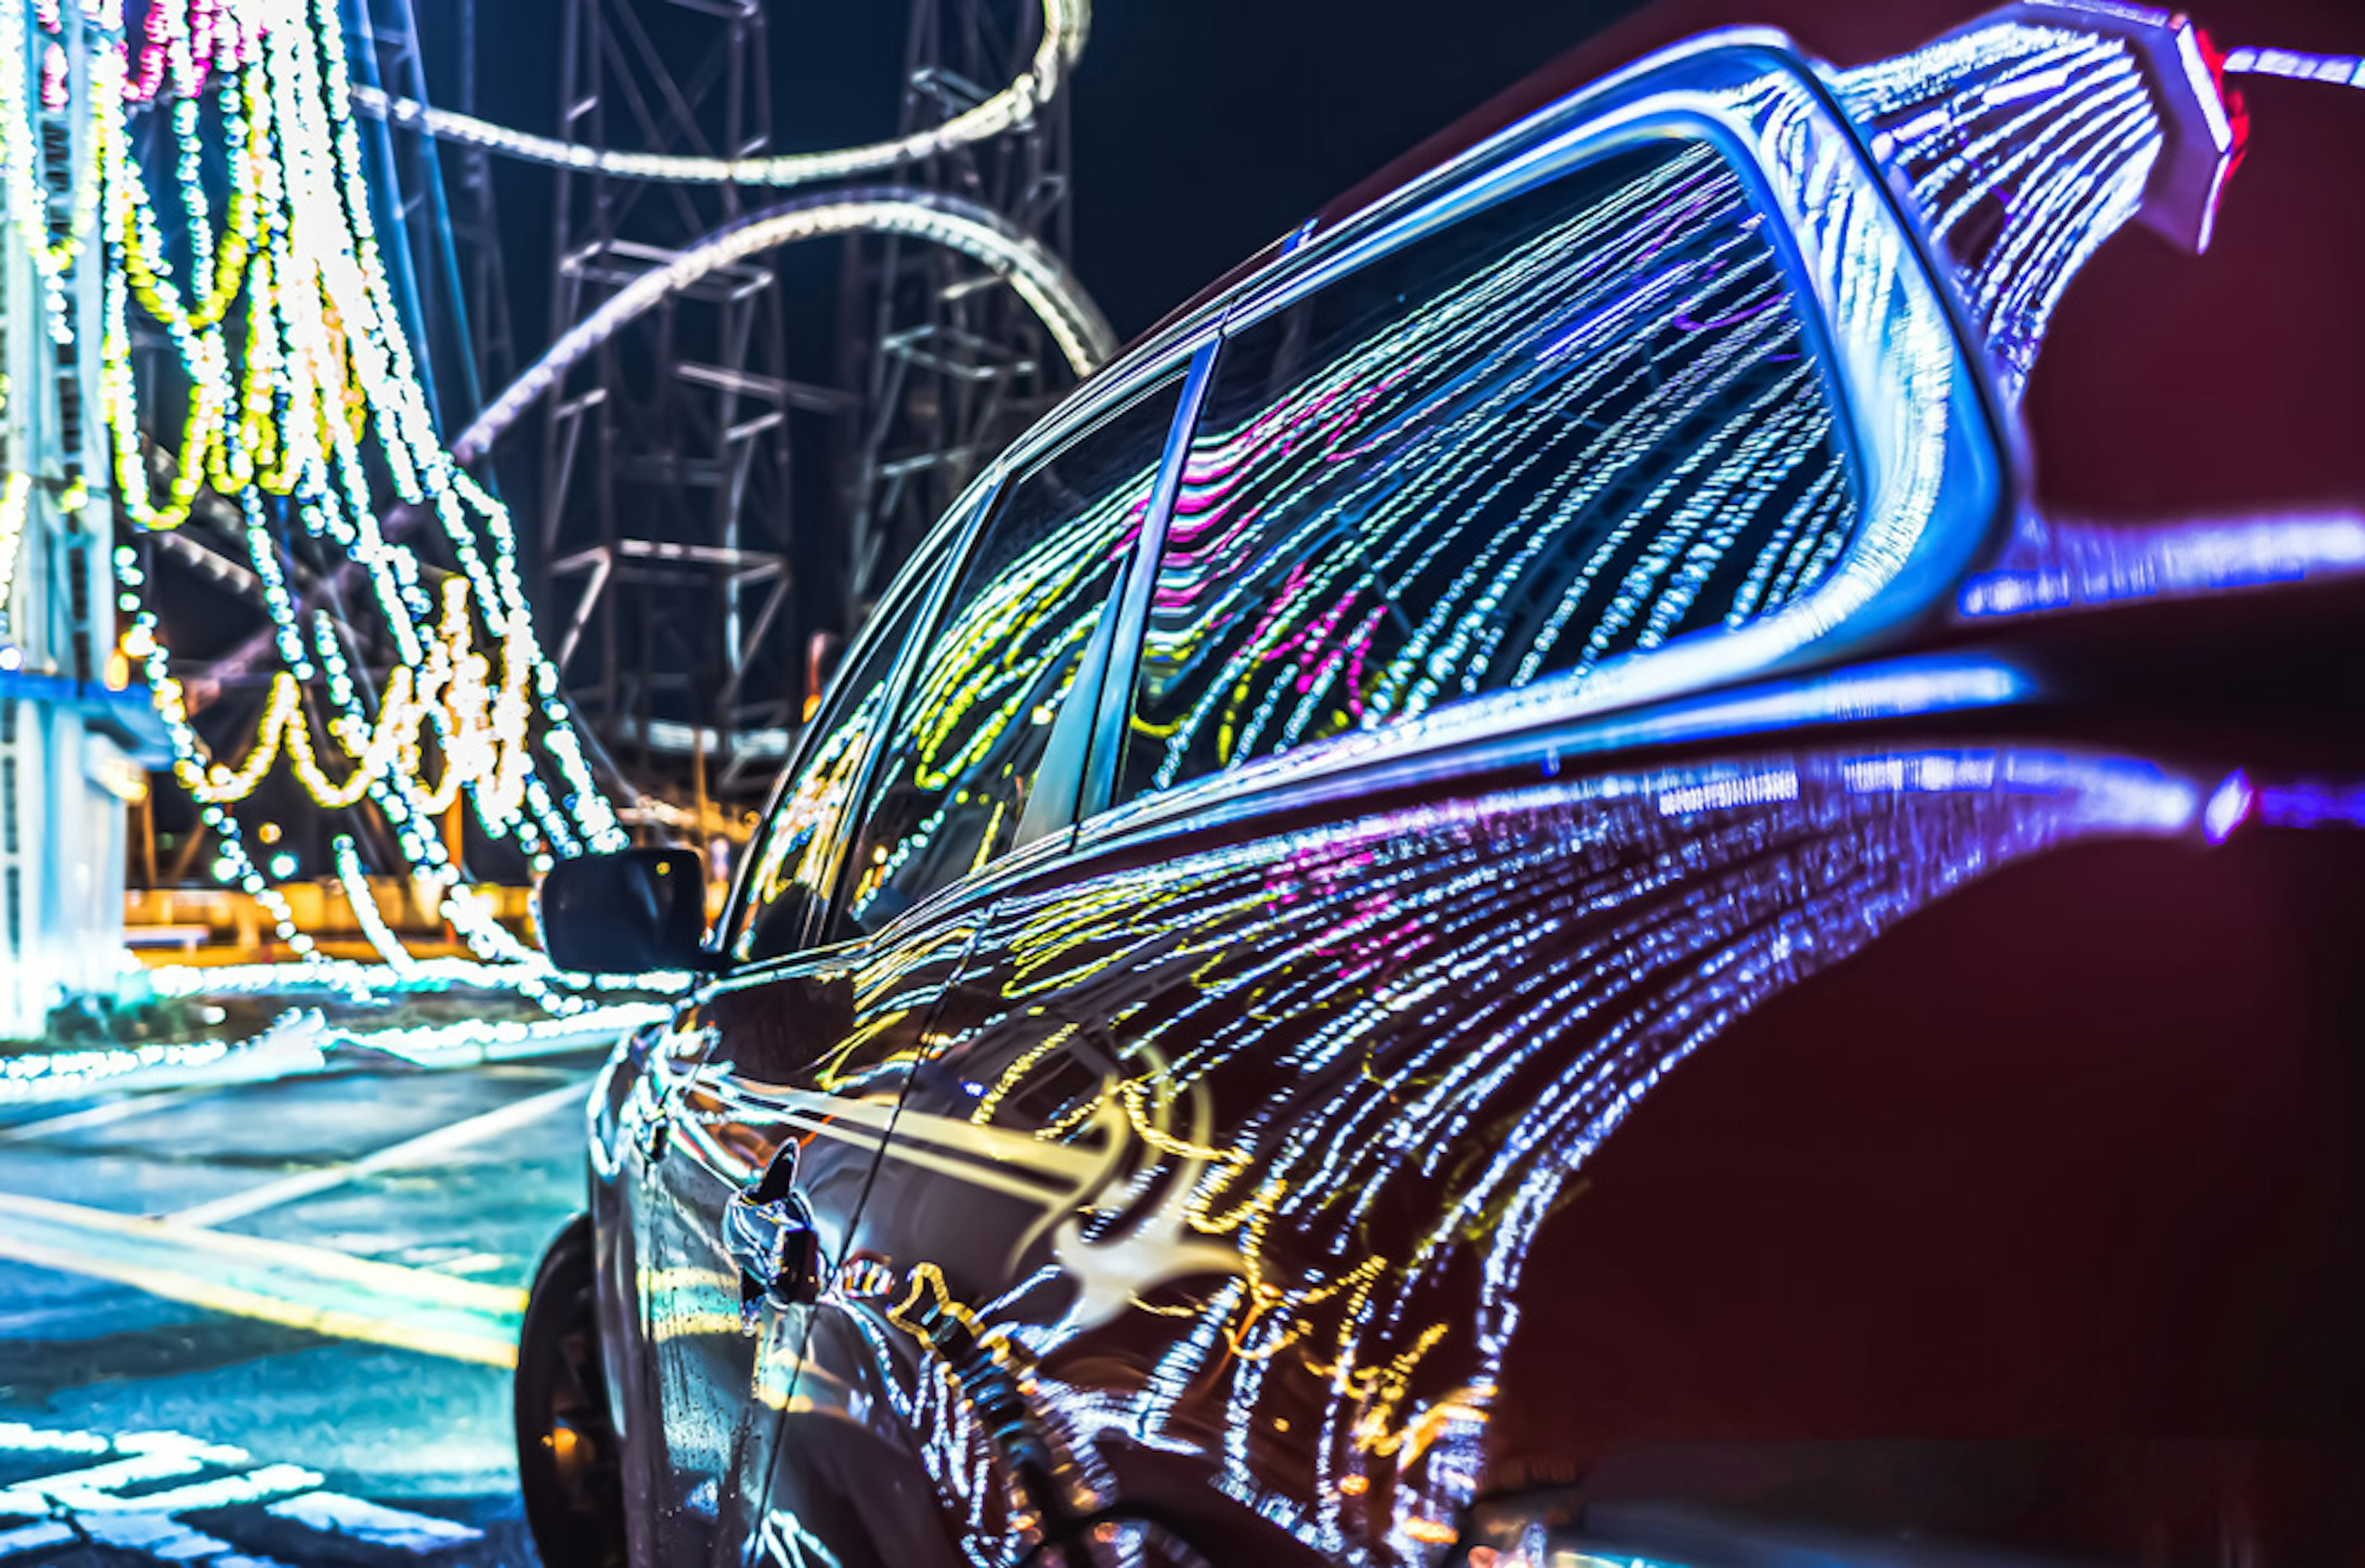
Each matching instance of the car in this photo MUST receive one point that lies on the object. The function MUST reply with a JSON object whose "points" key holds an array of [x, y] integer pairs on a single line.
{"points": [[1507, 901]]}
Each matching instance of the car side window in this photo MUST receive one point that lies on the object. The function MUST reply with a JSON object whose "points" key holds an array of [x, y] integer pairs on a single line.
{"points": [[789, 880], [1578, 423], [957, 767]]}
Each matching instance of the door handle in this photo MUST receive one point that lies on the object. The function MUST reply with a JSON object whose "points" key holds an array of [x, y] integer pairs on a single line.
{"points": [[648, 1123], [767, 1229]]}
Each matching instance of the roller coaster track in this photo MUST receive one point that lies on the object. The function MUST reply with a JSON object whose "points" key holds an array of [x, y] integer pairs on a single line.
{"points": [[1064, 22], [1041, 278], [1038, 278]]}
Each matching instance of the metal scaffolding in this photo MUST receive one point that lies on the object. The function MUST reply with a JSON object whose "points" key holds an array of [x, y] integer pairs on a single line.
{"points": [[948, 365], [688, 586], [663, 490]]}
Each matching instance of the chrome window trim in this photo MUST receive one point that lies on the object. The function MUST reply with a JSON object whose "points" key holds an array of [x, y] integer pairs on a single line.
{"points": [[1054, 435], [1112, 705], [1912, 685], [1106, 391], [1074, 742]]}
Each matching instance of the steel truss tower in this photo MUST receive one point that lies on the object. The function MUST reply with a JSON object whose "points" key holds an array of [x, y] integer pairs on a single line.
{"points": [[435, 216], [949, 364], [679, 598], [663, 484]]}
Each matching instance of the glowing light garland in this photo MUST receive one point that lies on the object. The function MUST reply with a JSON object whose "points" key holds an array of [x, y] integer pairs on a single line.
{"points": [[375, 930], [16, 490], [299, 1043], [299, 387], [481, 726]]}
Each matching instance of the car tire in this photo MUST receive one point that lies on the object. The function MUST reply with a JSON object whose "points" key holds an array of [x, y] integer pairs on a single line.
{"points": [[567, 1466]]}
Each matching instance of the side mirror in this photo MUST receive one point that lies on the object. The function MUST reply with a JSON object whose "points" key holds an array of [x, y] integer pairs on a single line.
{"points": [[627, 912]]}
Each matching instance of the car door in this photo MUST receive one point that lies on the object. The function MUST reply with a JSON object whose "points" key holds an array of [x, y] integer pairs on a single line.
{"points": [[976, 782], [1208, 1197], [734, 1184]]}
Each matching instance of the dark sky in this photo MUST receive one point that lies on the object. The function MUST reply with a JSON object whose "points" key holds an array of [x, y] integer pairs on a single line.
{"points": [[1203, 127]]}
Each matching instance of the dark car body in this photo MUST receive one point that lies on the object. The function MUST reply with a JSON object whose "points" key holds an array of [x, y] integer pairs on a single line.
{"points": [[1506, 902]]}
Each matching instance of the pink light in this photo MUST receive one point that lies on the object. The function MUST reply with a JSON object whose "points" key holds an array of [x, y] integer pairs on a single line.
{"points": [[54, 78]]}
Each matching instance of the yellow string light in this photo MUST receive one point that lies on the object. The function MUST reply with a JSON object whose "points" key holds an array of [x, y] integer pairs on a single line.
{"points": [[15, 492], [477, 723]]}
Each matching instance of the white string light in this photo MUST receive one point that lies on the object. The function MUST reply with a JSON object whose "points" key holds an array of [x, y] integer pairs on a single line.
{"points": [[1039, 278]]}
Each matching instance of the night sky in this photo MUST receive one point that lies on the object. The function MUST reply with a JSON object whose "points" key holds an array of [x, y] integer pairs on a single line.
{"points": [[1206, 129], [1203, 127]]}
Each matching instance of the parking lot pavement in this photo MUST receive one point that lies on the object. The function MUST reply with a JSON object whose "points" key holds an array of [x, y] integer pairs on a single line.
{"points": [[269, 1324]]}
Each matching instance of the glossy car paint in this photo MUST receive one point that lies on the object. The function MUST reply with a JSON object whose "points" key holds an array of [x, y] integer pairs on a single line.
{"points": [[1900, 1079]]}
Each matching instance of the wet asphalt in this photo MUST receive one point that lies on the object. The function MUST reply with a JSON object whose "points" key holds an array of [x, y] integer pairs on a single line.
{"points": [[162, 1401]]}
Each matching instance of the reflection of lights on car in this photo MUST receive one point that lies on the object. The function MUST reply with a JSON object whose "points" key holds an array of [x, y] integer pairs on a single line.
{"points": [[1388, 919]]}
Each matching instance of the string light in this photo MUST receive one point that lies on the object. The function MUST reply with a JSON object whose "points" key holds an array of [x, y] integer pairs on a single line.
{"points": [[480, 726], [303, 406], [321, 382], [299, 387], [14, 491]]}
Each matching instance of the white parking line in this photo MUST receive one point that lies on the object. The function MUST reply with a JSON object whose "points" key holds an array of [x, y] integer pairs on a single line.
{"points": [[90, 1502], [162, 1537], [35, 1538], [277, 1281], [397, 1528], [421, 1150], [91, 1116]]}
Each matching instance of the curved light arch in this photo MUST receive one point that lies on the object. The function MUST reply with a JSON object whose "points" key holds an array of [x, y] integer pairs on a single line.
{"points": [[1041, 278], [1064, 24]]}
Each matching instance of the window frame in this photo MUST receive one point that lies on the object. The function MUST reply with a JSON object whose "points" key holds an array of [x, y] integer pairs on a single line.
{"points": [[1053, 794], [950, 540], [1072, 736], [1667, 93]]}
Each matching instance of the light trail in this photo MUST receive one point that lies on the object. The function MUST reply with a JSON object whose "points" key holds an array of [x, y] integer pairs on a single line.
{"points": [[1041, 278], [1064, 24], [2296, 65]]}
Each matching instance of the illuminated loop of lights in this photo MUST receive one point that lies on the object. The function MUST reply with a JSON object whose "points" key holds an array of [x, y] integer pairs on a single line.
{"points": [[1040, 279], [1064, 23], [290, 398]]}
